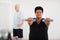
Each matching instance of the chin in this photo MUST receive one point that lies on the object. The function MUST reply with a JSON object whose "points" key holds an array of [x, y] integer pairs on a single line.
{"points": [[39, 17]]}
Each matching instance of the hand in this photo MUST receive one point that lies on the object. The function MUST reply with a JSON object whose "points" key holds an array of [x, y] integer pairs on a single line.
{"points": [[30, 21], [19, 25], [47, 21]]}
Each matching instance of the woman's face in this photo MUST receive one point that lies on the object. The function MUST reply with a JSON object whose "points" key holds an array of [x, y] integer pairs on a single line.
{"points": [[38, 13]]}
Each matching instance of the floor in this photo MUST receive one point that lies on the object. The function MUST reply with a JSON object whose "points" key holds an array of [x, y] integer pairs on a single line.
{"points": [[27, 39]]}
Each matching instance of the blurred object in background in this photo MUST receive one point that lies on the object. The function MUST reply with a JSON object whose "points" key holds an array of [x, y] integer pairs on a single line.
{"points": [[5, 35], [9, 36]]}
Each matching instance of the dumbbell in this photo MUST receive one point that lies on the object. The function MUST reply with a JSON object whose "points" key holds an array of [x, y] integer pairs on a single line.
{"points": [[34, 19]]}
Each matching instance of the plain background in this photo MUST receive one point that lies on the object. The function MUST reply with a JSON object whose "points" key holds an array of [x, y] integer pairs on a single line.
{"points": [[51, 10]]}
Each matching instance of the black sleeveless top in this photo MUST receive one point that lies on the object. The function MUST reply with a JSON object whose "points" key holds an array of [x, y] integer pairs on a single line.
{"points": [[38, 31]]}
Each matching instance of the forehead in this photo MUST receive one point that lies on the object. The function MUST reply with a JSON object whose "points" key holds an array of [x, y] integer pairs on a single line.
{"points": [[16, 5], [38, 10]]}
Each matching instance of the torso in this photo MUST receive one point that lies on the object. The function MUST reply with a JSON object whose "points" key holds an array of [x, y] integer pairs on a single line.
{"points": [[16, 20], [38, 31]]}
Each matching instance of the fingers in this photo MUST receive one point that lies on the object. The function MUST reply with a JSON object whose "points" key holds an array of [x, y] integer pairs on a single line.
{"points": [[30, 21], [47, 19]]}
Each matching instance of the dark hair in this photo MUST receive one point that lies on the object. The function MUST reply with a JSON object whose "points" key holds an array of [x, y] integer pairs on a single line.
{"points": [[38, 8]]}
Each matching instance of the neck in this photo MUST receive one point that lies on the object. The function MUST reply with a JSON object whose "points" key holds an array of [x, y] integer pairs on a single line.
{"points": [[38, 18]]}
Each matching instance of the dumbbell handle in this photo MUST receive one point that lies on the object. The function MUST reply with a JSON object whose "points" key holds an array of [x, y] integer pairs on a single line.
{"points": [[51, 20]]}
